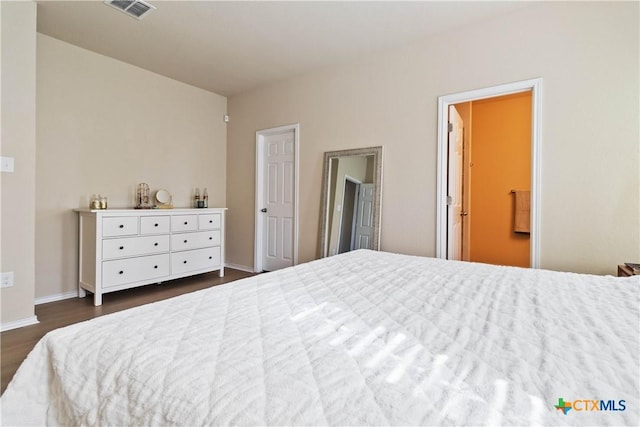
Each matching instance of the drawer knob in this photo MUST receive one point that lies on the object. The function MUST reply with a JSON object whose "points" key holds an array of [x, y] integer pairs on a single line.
{"points": [[210, 221], [121, 247], [185, 223], [121, 272], [210, 257], [155, 244], [121, 225], [155, 225], [210, 238], [185, 241], [184, 262], [155, 266]]}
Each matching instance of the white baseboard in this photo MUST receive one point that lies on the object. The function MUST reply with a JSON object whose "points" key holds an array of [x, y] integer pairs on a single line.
{"points": [[56, 297], [15, 324], [239, 267], [74, 294]]}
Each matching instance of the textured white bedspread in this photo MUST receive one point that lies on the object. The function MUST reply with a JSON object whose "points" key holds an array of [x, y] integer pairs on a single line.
{"points": [[364, 338]]}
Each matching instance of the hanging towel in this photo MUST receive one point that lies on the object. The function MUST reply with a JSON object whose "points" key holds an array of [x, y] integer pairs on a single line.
{"points": [[522, 220]]}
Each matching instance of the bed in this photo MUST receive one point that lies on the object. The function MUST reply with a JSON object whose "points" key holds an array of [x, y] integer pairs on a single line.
{"points": [[363, 338]]}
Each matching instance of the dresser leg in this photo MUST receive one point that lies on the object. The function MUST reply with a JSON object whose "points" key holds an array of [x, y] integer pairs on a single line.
{"points": [[81, 292], [97, 299], [221, 272]]}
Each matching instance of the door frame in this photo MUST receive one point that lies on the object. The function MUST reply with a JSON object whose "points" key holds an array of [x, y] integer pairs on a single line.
{"points": [[533, 85], [260, 196]]}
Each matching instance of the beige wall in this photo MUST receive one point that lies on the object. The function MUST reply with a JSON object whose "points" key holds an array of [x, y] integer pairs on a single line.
{"points": [[103, 126], [587, 55], [18, 141]]}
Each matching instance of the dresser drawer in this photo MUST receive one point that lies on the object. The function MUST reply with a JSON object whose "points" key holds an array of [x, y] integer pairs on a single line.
{"points": [[122, 271], [184, 223], [133, 246], [198, 259], [209, 221], [201, 239], [120, 226], [154, 224]]}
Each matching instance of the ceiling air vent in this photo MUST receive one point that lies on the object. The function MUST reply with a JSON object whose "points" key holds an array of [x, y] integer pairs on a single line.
{"points": [[135, 8]]}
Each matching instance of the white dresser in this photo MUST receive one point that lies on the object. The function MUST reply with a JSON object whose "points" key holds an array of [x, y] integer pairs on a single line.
{"points": [[125, 248]]}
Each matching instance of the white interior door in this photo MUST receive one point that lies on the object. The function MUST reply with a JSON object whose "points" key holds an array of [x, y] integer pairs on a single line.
{"points": [[348, 218], [364, 220], [454, 187], [279, 197]]}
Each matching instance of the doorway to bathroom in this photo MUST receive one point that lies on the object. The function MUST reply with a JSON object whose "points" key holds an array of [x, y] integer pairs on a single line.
{"points": [[488, 175]]}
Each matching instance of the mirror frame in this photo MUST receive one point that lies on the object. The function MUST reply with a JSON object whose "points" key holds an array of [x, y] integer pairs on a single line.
{"points": [[376, 152]]}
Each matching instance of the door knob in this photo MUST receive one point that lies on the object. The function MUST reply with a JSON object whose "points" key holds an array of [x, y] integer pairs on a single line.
{"points": [[463, 213], [263, 210]]}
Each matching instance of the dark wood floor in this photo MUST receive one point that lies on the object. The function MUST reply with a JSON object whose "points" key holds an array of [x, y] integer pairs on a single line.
{"points": [[16, 344]]}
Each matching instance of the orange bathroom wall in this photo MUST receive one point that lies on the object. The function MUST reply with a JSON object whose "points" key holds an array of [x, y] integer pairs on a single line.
{"points": [[501, 162]]}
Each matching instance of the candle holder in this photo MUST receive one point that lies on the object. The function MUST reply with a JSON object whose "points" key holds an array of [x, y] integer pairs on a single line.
{"points": [[143, 200]]}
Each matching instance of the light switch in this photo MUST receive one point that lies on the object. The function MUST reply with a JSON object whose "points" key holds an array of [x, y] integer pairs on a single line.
{"points": [[6, 164]]}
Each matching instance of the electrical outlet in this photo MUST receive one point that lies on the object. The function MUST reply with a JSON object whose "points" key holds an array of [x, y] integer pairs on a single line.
{"points": [[6, 165], [7, 280]]}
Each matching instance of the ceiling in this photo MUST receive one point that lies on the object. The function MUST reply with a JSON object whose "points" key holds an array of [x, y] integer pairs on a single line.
{"points": [[232, 47]]}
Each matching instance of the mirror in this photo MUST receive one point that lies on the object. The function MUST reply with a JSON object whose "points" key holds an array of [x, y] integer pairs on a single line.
{"points": [[352, 186], [163, 199]]}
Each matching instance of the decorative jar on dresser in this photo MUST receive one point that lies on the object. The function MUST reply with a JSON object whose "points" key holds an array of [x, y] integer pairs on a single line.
{"points": [[124, 248]]}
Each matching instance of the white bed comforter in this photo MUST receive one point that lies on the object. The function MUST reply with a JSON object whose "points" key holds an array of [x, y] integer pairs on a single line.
{"points": [[364, 338]]}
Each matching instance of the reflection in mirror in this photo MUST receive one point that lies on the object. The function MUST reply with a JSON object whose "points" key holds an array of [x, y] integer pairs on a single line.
{"points": [[352, 182]]}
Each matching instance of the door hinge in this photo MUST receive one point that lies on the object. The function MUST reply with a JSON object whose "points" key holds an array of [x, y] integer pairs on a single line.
{"points": [[450, 127]]}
